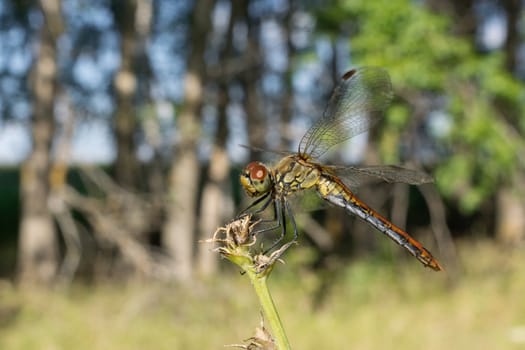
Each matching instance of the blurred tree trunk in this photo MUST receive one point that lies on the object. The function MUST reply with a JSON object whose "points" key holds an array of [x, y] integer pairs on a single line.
{"points": [[38, 251], [464, 18], [179, 230], [513, 10], [287, 138], [510, 221], [144, 17], [216, 200], [65, 125], [510, 206], [125, 84], [249, 80]]}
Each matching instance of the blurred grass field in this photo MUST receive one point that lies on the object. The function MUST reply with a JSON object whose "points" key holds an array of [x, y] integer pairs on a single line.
{"points": [[370, 306]]}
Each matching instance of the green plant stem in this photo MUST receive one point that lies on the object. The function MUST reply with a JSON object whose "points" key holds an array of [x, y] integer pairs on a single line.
{"points": [[236, 240], [259, 282]]}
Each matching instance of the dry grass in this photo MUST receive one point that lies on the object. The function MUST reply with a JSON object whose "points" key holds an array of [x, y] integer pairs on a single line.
{"points": [[369, 307]]}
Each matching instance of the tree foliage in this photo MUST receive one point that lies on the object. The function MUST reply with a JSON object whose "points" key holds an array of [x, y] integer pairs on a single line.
{"points": [[480, 101]]}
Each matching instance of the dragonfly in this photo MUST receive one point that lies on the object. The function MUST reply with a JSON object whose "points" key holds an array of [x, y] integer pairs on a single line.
{"points": [[357, 103]]}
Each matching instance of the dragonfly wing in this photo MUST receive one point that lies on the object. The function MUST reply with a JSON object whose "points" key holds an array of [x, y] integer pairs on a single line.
{"points": [[355, 176], [357, 103]]}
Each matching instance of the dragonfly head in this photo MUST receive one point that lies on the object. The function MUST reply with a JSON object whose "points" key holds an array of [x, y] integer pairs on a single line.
{"points": [[255, 179]]}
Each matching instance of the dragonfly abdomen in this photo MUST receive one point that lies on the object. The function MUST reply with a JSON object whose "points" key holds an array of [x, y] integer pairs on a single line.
{"points": [[336, 193]]}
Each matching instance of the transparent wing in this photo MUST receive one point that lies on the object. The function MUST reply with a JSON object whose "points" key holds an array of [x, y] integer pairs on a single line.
{"points": [[357, 103], [362, 175]]}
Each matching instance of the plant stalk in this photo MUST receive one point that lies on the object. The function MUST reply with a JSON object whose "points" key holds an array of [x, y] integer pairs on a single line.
{"points": [[259, 282]]}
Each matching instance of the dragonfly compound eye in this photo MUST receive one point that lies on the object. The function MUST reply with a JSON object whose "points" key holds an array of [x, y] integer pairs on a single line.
{"points": [[255, 179], [257, 171]]}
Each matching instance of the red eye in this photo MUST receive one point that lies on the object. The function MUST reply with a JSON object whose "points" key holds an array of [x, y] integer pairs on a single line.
{"points": [[257, 170]]}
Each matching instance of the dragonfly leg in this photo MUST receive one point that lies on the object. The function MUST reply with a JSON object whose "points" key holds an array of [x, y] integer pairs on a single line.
{"points": [[274, 219], [292, 220], [263, 207], [269, 200], [280, 212]]}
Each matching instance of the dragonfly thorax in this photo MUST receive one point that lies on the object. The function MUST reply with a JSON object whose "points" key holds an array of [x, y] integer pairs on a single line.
{"points": [[256, 179], [295, 173]]}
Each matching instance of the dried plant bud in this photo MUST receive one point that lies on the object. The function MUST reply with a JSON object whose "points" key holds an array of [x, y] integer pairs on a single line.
{"points": [[235, 242], [262, 340]]}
